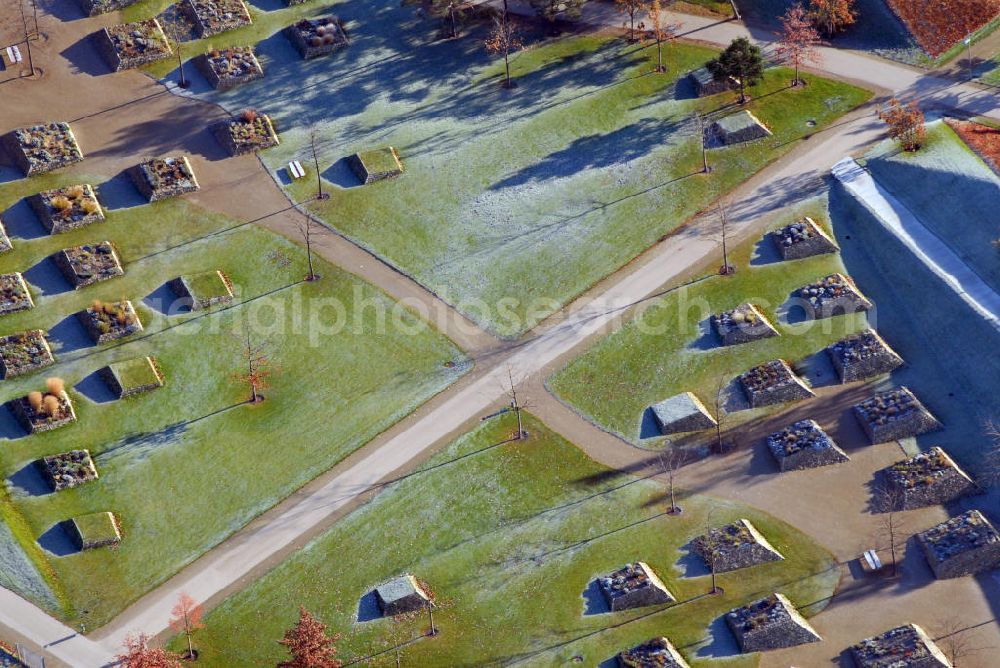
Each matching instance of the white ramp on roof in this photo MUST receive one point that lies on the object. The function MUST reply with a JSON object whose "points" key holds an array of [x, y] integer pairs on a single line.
{"points": [[924, 244]]}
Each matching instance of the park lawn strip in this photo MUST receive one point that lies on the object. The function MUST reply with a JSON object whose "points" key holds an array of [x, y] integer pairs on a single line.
{"points": [[951, 190], [669, 348], [508, 538], [527, 197], [191, 438]]}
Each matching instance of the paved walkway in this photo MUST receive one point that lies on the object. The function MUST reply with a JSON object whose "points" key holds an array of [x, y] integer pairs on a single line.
{"points": [[53, 637], [920, 241]]}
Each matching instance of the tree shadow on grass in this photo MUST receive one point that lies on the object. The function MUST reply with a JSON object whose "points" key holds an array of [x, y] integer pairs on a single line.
{"points": [[21, 222], [721, 641], [46, 277], [119, 192], [594, 602], [94, 388], [57, 541], [368, 609], [68, 335], [138, 447], [28, 481]]}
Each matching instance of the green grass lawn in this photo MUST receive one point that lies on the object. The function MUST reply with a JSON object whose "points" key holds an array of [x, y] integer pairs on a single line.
{"points": [[513, 201], [671, 349], [509, 538], [185, 466]]}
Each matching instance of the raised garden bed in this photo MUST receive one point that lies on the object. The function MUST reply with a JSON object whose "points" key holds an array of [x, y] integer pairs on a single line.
{"points": [[654, 653], [250, 132], [680, 413], [92, 531], [964, 545], [14, 295], [706, 84], [863, 355], [743, 324], [376, 165], [212, 17], [39, 412], [634, 586], [107, 321], [68, 469], [894, 414], [317, 37], [768, 624], [95, 7], [43, 148], [737, 128], [64, 209], [804, 445], [204, 289], [734, 546], [5, 244], [833, 295], [131, 45], [802, 239], [773, 382], [928, 479], [401, 595], [161, 178], [902, 647], [131, 377], [88, 264], [23, 353], [228, 68]]}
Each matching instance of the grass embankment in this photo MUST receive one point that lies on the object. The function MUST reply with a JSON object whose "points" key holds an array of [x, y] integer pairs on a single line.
{"points": [[670, 348], [509, 538], [186, 465]]}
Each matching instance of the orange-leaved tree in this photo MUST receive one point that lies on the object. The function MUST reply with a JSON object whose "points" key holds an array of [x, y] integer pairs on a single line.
{"points": [[632, 8], [186, 619], [138, 654], [309, 644], [663, 31], [797, 40], [906, 123], [504, 38], [832, 15]]}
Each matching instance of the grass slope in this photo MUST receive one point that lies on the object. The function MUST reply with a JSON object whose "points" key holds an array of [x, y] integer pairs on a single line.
{"points": [[513, 202], [186, 465], [509, 537], [670, 348]]}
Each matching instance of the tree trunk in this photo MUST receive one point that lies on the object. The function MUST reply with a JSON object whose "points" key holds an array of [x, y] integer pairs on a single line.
{"points": [[659, 54]]}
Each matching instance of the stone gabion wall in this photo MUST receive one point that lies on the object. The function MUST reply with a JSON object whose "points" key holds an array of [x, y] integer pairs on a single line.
{"points": [[732, 328], [862, 356], [784, 628], [802, 239], [24, 414], [95, 7], [116, 61], [912, 421], [8, 369], [161, 191], [218, 82]]}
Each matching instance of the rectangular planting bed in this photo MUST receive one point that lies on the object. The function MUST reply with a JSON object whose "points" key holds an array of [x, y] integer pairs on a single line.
{"points": [[23, 353], [802, 239], [401, 595], [43, 148], [107, 321], [743, 324], [863, 355], [833, 295], [228, 68], [768, 624], [376, 165], [64, 209], [804, 445], [317, 37], [211, 17], [894, 414], [964, 545], [928, 479], [248, 133], [771, 383], [131, 45], [634, 586], [734, 546], [38, 412], [204, 289], [131, 377], [680, 413], [89, 532], [14, 295], [161, 178], [902, 647], [88, 264], [95, 7], [654, 653], [68, 469]]}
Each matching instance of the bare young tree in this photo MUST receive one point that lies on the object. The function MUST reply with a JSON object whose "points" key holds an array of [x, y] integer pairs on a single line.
{"points": [[711, 555], [306, 229], [888, 502], [720, 395], [726, 269], [958, 640], [504, 38], [700, 121], [319, 179], [257, 371], [671, 460], [515, 405]]}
